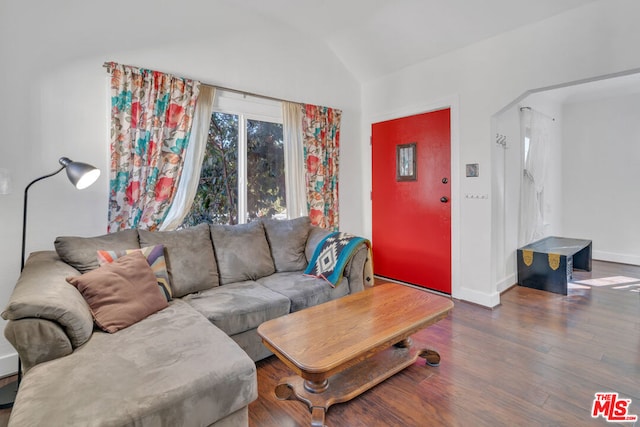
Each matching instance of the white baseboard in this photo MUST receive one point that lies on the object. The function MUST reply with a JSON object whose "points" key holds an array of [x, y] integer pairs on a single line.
{"points": [[8, 365], [615, 257], [506, 283], [480, 298], [464, 294]]}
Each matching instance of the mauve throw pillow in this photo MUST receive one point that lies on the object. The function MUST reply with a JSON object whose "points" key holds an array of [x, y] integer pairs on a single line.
{"points": [[155, 259], [120, 293]]}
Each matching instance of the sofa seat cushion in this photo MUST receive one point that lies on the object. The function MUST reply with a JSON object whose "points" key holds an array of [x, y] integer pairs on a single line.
{"points": [[240, 306], [304, 291], [174, 368]]}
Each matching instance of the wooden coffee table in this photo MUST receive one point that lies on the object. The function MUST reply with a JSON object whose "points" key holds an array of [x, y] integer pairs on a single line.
{"points": [[344, 347]]}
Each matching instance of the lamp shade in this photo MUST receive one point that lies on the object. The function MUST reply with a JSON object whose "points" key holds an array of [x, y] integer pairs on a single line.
{"points": [[80, 174]]}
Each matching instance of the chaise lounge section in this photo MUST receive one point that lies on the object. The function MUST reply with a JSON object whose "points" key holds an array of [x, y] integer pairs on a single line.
{"points": [[189, 364]]}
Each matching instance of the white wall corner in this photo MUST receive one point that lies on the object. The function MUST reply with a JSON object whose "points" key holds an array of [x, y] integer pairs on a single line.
{"points": [[506, 283], [8, 364], [490, 300]]}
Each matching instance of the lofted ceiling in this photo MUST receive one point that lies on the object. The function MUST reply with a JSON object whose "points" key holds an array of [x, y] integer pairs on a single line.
{"points": [[609, 87], [372, 38], [377, 37]]}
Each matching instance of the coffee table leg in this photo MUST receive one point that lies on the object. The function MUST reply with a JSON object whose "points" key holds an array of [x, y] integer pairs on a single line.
{"points": [[286, 391], [317, 416], [431, 357], [405, 343], [353, 381], [316, 386]]}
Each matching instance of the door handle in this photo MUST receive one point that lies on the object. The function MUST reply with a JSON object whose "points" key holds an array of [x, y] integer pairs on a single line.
{"points": [[444, 199]]}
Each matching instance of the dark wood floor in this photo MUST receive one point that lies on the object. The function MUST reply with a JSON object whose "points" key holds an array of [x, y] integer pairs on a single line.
{"points": [[536, 360]]}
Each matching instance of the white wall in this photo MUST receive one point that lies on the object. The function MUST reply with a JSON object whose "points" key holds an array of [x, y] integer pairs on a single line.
{"points": [[591, 190], [55, 102], [601, 174], [597, 39], [507, 176]]}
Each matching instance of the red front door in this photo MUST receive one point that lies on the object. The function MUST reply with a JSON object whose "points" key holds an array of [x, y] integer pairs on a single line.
{"points": [[411, 228]]}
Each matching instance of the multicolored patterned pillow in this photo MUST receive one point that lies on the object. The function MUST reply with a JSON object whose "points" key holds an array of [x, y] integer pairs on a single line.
{"points": [[155, 258]]}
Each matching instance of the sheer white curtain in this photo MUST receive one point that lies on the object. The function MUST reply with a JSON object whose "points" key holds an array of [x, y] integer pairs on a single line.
{"points": [[536, 134], [294, 168], [190, 178]]}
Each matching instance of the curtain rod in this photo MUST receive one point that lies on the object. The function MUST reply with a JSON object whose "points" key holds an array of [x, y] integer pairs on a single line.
{"points": [[256, 95], [531, 109], [107, 65]]}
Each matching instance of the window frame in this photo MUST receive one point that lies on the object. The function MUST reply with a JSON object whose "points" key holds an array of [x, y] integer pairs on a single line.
{"points": [[246, 107]]}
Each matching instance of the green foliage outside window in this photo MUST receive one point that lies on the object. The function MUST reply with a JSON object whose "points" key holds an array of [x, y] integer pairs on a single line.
{"points": [[265, 170], [216, 200]]}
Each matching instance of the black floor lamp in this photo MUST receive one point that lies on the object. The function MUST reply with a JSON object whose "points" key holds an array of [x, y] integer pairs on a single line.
{"points": [[81, 176]]}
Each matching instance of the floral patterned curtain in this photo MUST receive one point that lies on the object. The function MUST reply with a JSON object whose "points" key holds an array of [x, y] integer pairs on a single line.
{"points": [[321, 134], [151, 116]]}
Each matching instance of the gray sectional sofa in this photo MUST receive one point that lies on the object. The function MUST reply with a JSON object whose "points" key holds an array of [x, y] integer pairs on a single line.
{"points": [[189, 364]]}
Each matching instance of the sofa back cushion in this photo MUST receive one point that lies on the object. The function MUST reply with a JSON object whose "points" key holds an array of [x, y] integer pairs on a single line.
{"points": [[316, 234], [242, 252], [82, 252], [189, 255], [287, 239]]}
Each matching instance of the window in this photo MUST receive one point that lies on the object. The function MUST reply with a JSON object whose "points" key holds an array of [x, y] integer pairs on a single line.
{"points": [[527, 141], [265, 171], [242, 177]]}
